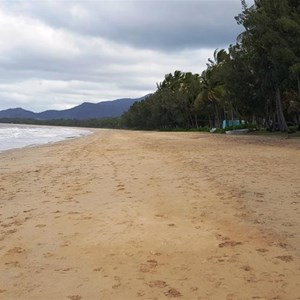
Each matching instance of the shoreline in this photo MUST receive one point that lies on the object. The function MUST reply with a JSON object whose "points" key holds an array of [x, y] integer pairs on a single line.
{"points": [[77, 133], [151, 215]]}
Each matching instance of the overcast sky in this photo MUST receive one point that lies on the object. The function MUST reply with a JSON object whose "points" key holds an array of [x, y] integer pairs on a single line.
{"points": [[59, 53]]}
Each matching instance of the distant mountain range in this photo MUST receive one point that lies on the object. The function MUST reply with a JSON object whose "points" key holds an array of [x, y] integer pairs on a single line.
{"points": [[84, 111]]}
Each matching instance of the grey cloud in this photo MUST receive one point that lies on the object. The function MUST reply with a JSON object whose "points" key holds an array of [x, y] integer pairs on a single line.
{"points": [[164, 25], [55, 54]]}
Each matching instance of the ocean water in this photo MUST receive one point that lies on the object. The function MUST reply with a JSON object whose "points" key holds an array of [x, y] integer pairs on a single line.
{"points": [[19, 136]]}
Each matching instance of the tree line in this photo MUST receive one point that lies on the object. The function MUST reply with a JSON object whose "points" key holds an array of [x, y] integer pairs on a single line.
{"points": [[91, 123], [257, 79]]}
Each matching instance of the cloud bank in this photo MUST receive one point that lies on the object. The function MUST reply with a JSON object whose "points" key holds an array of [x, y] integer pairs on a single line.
{"points": [[57, 54]]}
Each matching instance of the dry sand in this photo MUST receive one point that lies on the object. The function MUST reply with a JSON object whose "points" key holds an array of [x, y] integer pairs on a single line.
{"points": [[145, 215]]}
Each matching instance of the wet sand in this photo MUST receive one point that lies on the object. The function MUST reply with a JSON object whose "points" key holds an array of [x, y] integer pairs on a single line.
{"points": [[146, 215]]}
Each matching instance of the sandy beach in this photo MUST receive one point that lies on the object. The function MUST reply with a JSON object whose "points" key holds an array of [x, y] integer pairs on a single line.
{"points": [[148, 215]]}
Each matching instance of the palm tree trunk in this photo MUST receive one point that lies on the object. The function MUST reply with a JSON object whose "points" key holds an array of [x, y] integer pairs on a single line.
{"points": [[217, 115], [279, 109], [196, 121]]}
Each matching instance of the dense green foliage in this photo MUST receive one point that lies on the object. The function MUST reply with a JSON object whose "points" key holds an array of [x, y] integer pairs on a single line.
{"points": [[172, 106], [92, 123], [256, 80]]}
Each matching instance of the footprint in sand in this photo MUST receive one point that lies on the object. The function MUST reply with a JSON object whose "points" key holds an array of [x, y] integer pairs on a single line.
{"points": [[16, 250], [118, 282], [286, 258], [157, 284], [10, 231], [262, 250], [246, 268], [229, 244], [29, 210], [120, 187], [97, 269], [75, 297], [172, 293], [13, 264], [40, 225], [48, 254], [149, 267]]}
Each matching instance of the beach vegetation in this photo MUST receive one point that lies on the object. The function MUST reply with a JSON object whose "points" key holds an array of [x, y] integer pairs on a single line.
{"points": [[90, 123], [257, 79]]}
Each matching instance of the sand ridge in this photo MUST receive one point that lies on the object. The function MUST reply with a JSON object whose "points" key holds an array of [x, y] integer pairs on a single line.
{"points": [[147, 215]]}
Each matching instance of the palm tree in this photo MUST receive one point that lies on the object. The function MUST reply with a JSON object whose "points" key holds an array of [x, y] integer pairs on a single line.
{"points": [[213, 86]]}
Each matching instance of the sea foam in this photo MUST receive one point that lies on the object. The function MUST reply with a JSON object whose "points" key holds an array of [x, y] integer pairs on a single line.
{"points": [[18, 136]]}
